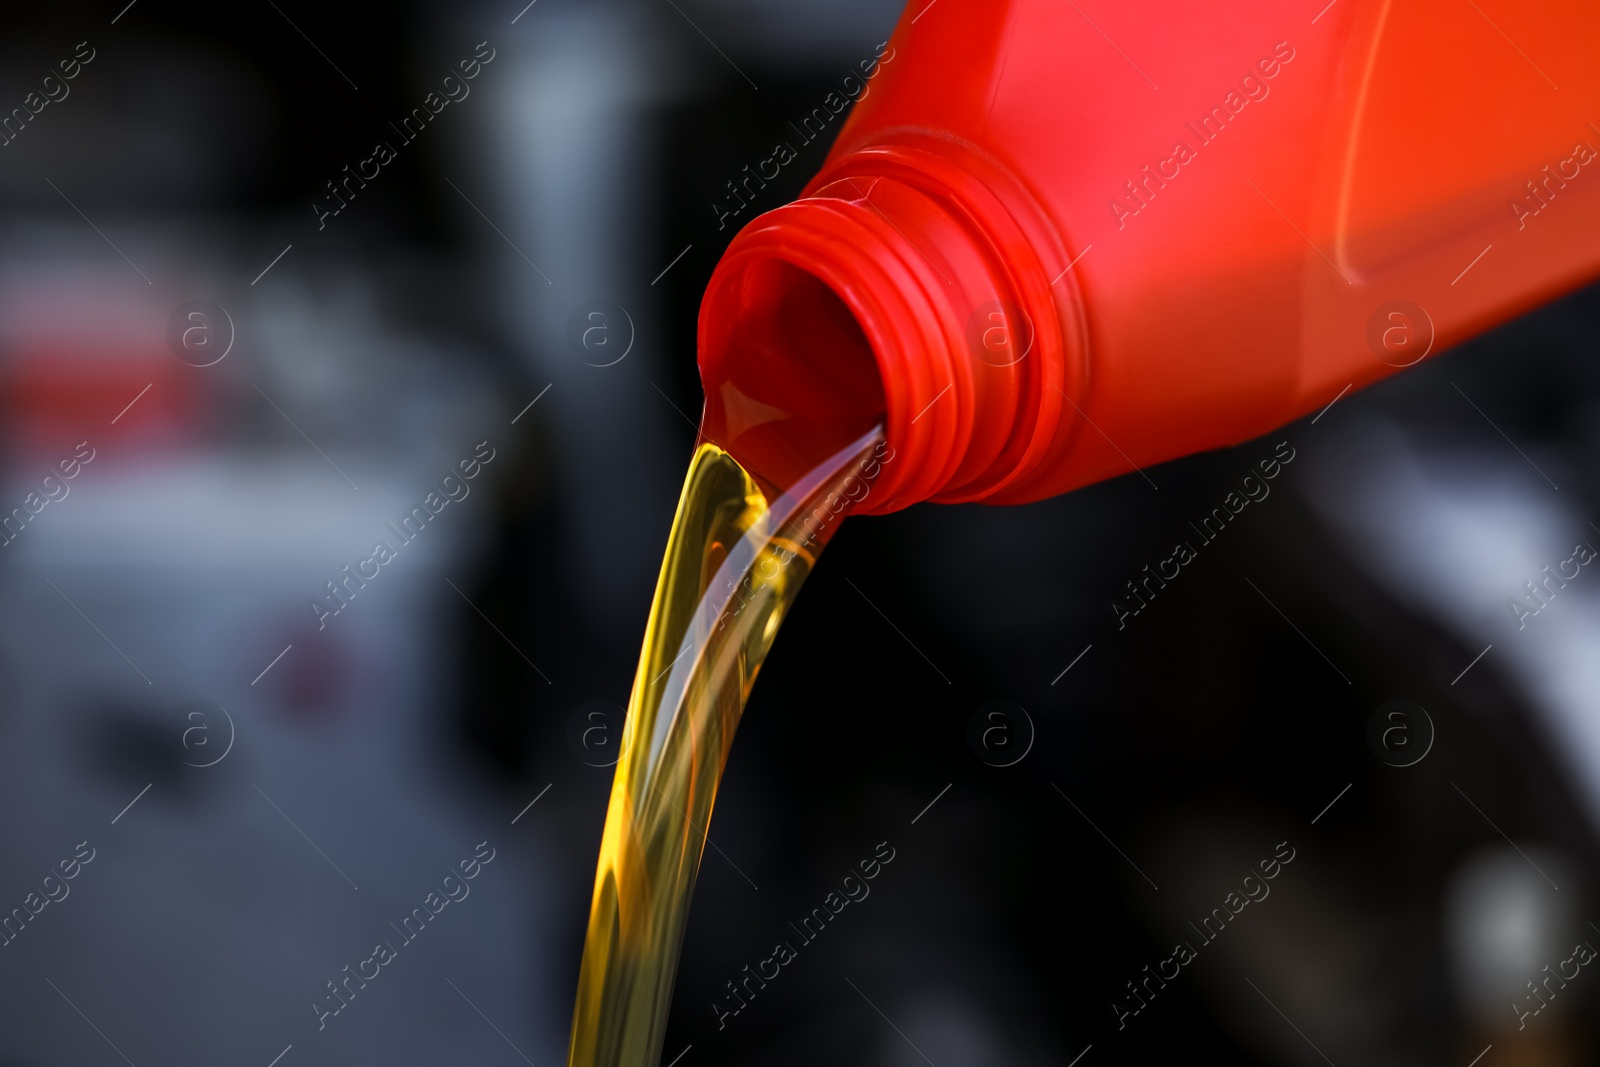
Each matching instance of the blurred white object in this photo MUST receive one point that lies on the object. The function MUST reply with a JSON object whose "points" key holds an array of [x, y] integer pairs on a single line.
{"points": [[1456, 532], [1504, 924]]}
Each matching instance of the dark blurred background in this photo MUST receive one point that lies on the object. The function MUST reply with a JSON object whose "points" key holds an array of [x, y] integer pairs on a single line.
{"points": [[265, 793]]}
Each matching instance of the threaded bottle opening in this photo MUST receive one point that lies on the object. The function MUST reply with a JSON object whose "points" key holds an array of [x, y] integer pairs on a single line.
{"points": [[789, 377], [882, 299]]}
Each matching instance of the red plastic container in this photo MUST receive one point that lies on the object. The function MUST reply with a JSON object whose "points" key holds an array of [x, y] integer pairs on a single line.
{"points": [[1057, 240]]}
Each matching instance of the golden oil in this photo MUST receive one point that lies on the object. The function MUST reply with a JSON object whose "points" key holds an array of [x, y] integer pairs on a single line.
{"points": [[734, 563]]}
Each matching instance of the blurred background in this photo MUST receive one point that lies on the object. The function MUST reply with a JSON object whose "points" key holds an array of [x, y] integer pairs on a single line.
{"points": [[239, 346]]}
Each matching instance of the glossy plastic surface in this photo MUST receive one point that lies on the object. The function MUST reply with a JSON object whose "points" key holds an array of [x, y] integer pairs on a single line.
{"points": [[1078, 238]]}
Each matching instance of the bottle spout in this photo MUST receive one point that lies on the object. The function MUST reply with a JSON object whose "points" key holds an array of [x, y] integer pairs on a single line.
{"points": [[880, 299]]}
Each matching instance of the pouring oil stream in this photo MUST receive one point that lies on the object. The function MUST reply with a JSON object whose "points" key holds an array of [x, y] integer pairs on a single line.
{"points": [[734, 564]]}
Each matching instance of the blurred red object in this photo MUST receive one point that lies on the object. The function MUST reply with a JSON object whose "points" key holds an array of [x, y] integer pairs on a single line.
{"points": [[85, 362]]}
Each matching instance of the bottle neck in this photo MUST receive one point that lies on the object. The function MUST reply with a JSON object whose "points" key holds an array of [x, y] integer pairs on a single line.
{"points": [[901, 291]]}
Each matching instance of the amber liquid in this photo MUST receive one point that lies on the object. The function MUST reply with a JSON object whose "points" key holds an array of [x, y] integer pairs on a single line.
{"points": [[735, 561]]}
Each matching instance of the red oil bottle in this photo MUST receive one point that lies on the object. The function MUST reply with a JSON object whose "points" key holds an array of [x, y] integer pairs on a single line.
{"points": [[1058, 240]]}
